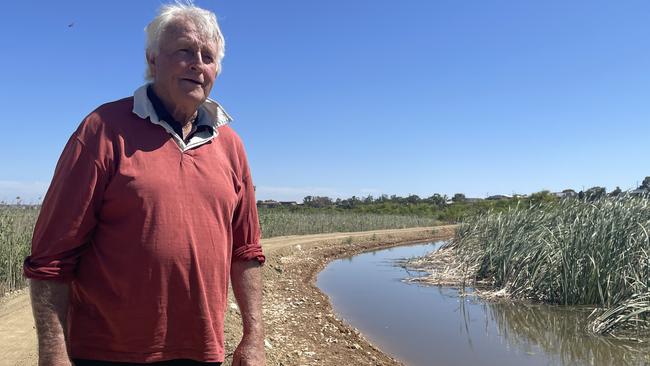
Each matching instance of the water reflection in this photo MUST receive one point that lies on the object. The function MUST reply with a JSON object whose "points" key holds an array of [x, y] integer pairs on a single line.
{"points": [[560, 333], [435, 326]]}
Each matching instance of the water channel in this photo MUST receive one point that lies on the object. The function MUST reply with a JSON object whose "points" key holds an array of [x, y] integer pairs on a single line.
{"points": [[434, 326]]}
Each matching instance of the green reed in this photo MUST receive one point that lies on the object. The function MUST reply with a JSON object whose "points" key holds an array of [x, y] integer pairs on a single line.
{"points": [[571, 252]]}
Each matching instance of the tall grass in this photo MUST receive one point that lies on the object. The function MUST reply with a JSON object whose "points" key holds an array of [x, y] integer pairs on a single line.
{"points": [[278, 223], [16, 226], [572, 252]]}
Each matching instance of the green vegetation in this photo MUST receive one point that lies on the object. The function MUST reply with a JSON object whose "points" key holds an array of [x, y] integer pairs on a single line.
{"points": [[436, 207], [283, 222], [16, 226], [568, 252]]}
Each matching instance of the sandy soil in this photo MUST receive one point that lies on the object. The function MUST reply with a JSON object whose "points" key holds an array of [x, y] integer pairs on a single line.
{"points": [[301, 328]]}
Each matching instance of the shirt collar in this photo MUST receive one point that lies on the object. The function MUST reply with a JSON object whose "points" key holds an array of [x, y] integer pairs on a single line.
{"points": [[213, 114]]}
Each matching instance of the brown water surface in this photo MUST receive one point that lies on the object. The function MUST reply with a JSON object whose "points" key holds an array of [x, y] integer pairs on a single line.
{"points": [[434, 326]]}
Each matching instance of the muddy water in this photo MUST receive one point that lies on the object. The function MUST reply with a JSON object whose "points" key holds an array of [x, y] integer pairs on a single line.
{"points": [[432, 326]]}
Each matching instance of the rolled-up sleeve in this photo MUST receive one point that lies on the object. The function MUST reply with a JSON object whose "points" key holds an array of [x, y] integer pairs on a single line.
{"points": [[245, 223], [68, 214]]}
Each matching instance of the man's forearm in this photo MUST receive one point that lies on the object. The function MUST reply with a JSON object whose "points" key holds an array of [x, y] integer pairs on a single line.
{"points": [[246, 277], [50, 301]]}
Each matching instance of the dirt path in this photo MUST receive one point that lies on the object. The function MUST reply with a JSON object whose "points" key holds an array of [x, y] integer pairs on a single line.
{"points": [[301, 328]]}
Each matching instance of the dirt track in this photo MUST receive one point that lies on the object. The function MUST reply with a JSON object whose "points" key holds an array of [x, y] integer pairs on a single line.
{"points": [[300, 326]]}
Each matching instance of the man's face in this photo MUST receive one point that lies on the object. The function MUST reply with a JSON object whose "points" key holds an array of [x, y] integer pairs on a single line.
{"points": [[185, 67]]}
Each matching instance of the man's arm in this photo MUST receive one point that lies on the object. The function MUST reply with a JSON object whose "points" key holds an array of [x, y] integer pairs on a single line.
{"points": [[50, 306], [246, 277]]}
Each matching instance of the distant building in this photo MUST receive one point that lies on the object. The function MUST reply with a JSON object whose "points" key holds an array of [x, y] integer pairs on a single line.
{"points": [[639, 192], [567, 193], [498, 197], [464, 200], [268, 203], [288, 203]]}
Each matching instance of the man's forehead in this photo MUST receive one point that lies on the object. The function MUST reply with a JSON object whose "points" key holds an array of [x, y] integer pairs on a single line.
{"points": [[183, 29], [180, 28]]}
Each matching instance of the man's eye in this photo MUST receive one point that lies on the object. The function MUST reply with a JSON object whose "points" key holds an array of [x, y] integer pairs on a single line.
{"points": [[208, 59]]}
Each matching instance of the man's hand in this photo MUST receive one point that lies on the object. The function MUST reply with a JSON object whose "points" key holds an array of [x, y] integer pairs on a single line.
{"points": [[249, 352], [246, 277]]}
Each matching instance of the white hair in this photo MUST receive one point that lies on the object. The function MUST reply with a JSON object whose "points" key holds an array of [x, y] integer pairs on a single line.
{"points": [[204, 20]]}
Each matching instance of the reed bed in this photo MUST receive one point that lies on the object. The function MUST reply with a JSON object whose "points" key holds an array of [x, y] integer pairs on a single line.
{"points": [[16, 226], [571, 253], [279, 223]]}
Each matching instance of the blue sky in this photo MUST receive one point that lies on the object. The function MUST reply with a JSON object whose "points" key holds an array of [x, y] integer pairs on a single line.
{"points": [[345, 98]]}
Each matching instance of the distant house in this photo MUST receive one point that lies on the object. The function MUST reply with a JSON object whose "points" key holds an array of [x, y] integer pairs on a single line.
{"points": [[268, 203], [498, 197], [567, 193], [639, 192], [288, 203], [464, 200], [570, 193]]}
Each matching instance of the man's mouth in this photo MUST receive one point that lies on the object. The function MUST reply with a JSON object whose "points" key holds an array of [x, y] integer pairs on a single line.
{"points": [[194, 81]]}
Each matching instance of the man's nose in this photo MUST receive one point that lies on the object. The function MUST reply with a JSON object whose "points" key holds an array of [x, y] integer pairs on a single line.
{"points": [[197, 61]]}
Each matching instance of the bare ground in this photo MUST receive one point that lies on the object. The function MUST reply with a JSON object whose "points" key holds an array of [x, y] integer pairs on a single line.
{"points": [[301, 328]]}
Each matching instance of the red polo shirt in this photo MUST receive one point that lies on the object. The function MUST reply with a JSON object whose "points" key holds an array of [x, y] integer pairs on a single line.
{"points": [[145, 233]]}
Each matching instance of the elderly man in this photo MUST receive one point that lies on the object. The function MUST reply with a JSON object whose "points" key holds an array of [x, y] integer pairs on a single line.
{"points": [[150, 211]]}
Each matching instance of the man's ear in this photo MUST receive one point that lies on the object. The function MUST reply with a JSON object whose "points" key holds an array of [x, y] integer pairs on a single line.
{"points": [[151, 62]]}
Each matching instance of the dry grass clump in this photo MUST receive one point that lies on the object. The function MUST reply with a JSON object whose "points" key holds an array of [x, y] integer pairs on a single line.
{"points": [[571, 253], [16, 226], [630, 319]]}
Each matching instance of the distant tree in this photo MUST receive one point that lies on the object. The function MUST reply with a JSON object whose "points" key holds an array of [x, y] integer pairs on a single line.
{"points": [[542, 196], [368, 199], [317, 201], [595, 193], [414, 198], [349, 203], [615, 192], [458, 197], [646, 184], [437, 199]]}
